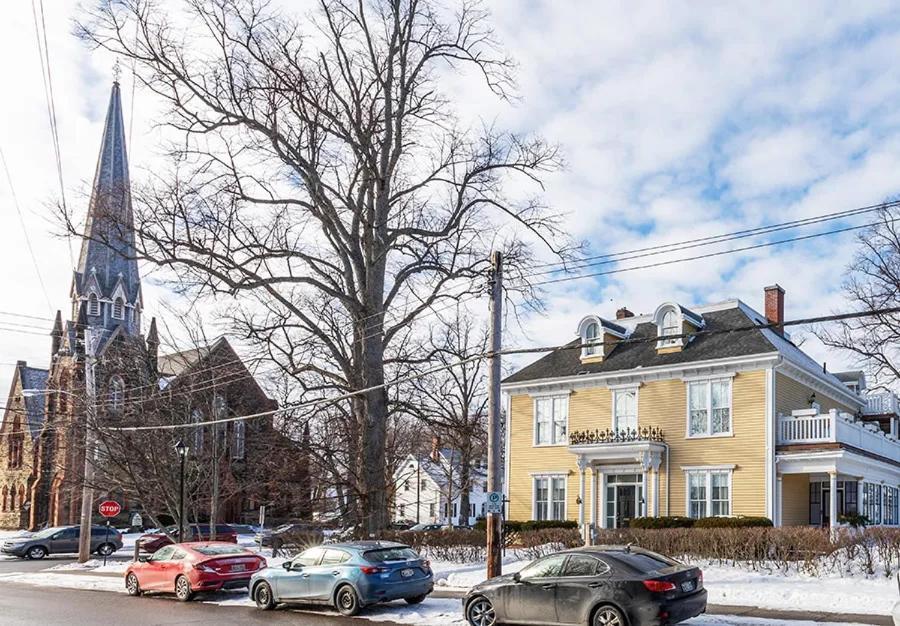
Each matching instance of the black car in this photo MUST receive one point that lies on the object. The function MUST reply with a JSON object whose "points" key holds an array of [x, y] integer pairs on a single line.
{"points": [[599, 586]]}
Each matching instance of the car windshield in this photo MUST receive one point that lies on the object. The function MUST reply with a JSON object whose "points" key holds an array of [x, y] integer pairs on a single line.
{"points": [[383, 555], [47, 532], [283, 528], [219, 550]]}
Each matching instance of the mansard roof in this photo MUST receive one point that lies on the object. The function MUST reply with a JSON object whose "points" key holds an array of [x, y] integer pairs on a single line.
{"points": [[108, 250]]}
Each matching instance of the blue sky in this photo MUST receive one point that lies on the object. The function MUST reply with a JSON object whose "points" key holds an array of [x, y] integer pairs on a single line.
{"points": [[677, 120]]}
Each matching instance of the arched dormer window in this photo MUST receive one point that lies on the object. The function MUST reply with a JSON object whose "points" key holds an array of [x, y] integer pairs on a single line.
{"points": [[118, 311], [93, 304], [671, 320], [591, 334], [670, 325], [596, 335], [116, 394]]}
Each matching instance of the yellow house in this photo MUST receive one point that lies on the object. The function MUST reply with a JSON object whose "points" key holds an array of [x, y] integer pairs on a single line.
{"points": [[710, 411]]}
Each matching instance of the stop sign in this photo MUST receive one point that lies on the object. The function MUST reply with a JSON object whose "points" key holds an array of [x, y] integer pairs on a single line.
{"points": [[110, 508]]}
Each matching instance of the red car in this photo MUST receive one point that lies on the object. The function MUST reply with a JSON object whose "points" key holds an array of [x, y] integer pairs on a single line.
{"points": [[188, 568], [151, 542]]}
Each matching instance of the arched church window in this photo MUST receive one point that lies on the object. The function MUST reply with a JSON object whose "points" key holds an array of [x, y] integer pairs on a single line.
{"points": [[21, 496], [196, 418], [118, 309], [116, 394], [238, 437], [4, 496], [93, 304]]}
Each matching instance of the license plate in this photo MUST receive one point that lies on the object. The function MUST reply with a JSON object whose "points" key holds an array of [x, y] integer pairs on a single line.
{"points": [[687, 586], [238, 568], [406, 573]]}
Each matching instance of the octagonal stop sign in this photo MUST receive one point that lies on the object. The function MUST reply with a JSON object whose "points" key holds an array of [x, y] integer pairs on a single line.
{"points": [[110, 508]]}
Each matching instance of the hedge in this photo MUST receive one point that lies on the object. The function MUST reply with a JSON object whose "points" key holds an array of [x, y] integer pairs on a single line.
{"points": [[733, 522], [513, 526], [662, 522]]}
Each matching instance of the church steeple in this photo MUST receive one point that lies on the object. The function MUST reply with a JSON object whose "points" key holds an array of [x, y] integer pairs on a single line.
{"points": [[106, 282]]}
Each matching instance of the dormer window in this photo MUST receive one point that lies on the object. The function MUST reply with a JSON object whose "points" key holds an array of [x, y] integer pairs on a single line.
{"points": [[118, 311], [672, 322], [93, 305], [598, 337], [591, 333], [670, 327]]}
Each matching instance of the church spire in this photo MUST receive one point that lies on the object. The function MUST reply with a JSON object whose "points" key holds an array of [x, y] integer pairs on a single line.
{"points": [[106, 281]]}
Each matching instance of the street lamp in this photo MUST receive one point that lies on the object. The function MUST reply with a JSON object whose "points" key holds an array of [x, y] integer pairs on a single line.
{"points": [[182, 451]]}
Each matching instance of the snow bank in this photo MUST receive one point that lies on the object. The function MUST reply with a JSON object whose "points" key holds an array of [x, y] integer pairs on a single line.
{"points": [[66, 581]]}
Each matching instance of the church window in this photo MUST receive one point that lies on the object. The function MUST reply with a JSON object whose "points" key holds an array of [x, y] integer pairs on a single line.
{"points": [[118, 311], [21, 496], [196, 418], [5, 503], [116, 394], [238, 439], [15, 445], [93, 304]]}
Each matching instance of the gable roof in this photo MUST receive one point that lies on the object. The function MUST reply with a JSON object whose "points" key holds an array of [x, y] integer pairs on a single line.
{"points": [[35, 411]]}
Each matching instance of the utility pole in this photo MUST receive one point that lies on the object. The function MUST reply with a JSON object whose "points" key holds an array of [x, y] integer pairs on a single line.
{"points": [[87, 487], [494, 541], [418, 488]]}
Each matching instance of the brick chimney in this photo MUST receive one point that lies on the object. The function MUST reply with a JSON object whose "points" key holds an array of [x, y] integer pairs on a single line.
{"points": [[622, 313], [775, 307]]}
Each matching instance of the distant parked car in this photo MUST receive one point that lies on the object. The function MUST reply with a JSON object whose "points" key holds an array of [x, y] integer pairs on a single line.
{"points": [[295, 536], [401, 525], [348, 576], [609, 586], [62, 540], [245, 529], [188, 568], [151, 542], [426, 528]]}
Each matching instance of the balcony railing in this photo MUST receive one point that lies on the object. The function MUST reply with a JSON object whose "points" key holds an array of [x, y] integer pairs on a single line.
{"points": [[621, 435], [883, 403], [808, 426]]}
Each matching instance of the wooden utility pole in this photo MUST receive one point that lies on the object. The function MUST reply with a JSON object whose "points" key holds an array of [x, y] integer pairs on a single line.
{"points": [[494, 519], [87, 486]]}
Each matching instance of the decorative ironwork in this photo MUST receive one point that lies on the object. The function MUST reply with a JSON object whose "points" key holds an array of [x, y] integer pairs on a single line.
{"points": [[621, 435]]}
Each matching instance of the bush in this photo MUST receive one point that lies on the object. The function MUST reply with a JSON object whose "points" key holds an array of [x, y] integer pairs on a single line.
{"points": [[513, 526], [662, 522], [733, 522]]}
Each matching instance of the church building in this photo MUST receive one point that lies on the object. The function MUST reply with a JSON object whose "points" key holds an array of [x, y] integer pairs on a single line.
{"points": [[103, 348]]}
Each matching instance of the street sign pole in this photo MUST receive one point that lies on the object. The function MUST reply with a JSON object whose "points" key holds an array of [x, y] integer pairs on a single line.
{"points": [[106, 541], [108, 509]]}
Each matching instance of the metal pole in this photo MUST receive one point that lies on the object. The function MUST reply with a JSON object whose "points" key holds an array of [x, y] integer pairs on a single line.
{"points": [[87, 489], [181, 527], [106, 541], [494, 542], [418, 488]]}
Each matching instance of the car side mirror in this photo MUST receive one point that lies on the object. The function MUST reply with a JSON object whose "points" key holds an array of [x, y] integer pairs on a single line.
{"points": [[143, 559], [56, 536], [517, 577]]}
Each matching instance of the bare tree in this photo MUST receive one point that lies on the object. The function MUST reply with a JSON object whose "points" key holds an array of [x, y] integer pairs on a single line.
{"points": [[872, 283], [323, 177]]}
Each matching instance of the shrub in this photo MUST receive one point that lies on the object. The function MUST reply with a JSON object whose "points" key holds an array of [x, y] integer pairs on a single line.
{"points": [[856, 520], [662, 522], [513, 526], [733, 522]]}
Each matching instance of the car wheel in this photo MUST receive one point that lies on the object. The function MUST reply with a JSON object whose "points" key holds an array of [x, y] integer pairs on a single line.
{"points": [[183, 589], [480, 612], [37, 552], [106, 549], [347, 602], [265, 600], [132, 585], [608, 616], [415, 599]]}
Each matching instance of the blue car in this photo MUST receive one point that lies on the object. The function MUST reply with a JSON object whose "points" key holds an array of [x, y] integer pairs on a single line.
{"points": [[348, 576]]}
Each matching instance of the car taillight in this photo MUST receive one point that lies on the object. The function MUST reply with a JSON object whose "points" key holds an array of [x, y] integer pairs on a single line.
{"points": [[699, 578], [371, 569], [205, 568], [426, 564], [659, 586]]}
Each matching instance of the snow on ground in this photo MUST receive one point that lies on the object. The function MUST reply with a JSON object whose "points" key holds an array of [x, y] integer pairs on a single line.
{"points": [[67, 581]]}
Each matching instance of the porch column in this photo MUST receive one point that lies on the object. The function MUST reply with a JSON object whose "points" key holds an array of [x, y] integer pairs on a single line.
{"points": [[656, 492], [644, 495], [779, 490], [602, 498], [582, 470], [595, 490], [832, 499]]}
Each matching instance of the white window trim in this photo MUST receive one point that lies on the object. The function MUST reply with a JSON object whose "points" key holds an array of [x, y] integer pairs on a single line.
{"points": [[637, 413], [534, 432], [596, 342], [709, 470], [662, 340], [708, 381], [550, 476]]}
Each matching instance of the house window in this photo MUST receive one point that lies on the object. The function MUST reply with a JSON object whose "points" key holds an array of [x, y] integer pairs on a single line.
{"points": [[405, 485], [669, 326], [455, 509], [591, 333], [93, 304], [709, 408], [550, 498], [196, 418], [708, 493], [431, 510], [625, 409], [551, 415], [424, 485], [116, 394], [118, 311], [872, 502], [238, 441], [401, 510], [891, 516]]}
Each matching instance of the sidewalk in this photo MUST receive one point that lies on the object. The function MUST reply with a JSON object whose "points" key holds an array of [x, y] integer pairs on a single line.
{"points": [[747, 611]]}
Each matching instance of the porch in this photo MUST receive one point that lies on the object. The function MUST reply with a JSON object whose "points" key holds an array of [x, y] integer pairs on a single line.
{"points": [[622, 468]]}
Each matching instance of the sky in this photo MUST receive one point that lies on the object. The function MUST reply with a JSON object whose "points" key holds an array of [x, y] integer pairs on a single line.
{"points": [[676, 120]]}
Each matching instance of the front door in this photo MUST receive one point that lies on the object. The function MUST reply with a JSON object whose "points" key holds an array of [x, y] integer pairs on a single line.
{"points": [[624, 497], [627, 507]]}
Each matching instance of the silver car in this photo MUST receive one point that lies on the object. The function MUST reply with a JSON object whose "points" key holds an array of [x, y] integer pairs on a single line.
{"points": [[62, 540]]}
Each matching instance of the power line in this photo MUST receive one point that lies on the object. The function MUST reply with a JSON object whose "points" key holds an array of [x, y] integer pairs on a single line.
{"points": [[25, 315], [15, 199], [332, 400]]}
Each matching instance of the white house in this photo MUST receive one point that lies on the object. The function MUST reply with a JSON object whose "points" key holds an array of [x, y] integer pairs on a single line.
{"points": [[427, 491]]}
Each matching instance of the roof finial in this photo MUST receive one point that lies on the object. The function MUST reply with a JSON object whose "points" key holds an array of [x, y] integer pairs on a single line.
{"points": [[117, 71]]}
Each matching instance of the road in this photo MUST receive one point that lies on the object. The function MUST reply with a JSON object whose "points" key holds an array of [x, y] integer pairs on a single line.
{"points": [[24, 604]]}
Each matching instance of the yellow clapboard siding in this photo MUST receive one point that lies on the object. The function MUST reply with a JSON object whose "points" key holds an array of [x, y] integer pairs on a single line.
{"points": [[795, 500], [791, 395]]}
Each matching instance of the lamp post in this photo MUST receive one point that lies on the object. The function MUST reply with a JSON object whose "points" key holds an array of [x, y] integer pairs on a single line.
{"points": [[182, 451]]}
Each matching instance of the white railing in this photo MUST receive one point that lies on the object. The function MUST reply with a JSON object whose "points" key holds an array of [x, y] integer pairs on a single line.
{"points": [[808, 426], [884, 403]]}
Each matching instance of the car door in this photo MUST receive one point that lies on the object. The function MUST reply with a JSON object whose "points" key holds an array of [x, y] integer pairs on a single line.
{"points": [[584, 578], [152, 575], [532, 599], [323, 577], [65, 541], [294, 583], [172, 568]]}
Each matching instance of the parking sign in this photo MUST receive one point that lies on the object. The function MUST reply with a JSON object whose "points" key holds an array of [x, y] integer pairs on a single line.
{"points": [[494, 502]]}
